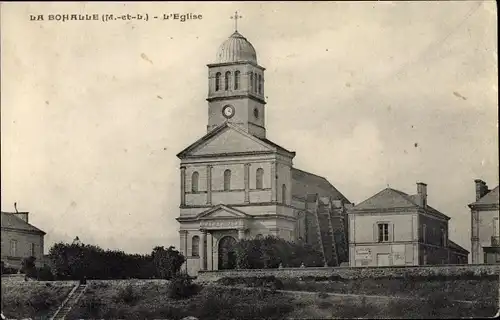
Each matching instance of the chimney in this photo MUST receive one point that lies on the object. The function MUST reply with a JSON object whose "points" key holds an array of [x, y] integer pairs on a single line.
{"points": [[481, 188], [422, 194], [21, 215]]}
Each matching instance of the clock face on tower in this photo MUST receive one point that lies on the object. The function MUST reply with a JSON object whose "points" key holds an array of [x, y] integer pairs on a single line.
{"points": [[228, 111]]}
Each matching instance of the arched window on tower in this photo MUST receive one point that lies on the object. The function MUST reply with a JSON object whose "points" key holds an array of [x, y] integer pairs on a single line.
{"points": [[251, 81], [236, 80], [217, 81], [260, 83], [259, 176], [255, 84], [195, 246], [226, 79], [227, 180], [194, 181], [283, 194]]}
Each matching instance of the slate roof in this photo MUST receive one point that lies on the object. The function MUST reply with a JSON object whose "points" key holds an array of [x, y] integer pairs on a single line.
{"points": [[305, 183], [11, 221], [391, 198], [492, 197], [452, 245]]}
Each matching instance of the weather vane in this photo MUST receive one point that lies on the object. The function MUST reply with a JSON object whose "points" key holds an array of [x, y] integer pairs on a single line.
{"points": [[236, 17]]}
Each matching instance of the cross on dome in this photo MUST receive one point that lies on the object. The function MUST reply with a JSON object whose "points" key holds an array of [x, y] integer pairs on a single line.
{"points": [[236, 17]]}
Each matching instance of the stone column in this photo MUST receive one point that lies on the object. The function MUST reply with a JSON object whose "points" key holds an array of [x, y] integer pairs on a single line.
{"points": [[210, 251], [241, 234], [247, 182], [183, 185], [203, 253], [209, 184], [274, 182]]}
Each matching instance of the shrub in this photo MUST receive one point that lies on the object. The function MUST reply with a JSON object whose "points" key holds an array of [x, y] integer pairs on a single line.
{"points": [[45, 274], [127, 295], [181, 287]]}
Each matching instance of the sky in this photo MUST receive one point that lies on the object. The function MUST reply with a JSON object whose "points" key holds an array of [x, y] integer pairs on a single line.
{"points": [[368, 94]]}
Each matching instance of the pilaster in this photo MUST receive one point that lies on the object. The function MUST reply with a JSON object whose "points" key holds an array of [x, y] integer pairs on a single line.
{"points": [[274, 182], [247, 182], [209, 184], [183, 185]]}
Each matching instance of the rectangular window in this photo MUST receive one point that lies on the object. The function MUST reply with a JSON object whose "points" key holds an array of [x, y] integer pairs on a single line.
{"points": [[13, 248], [443, 238], [383, 232], [32, 249], [425, 257], [424, 232]]}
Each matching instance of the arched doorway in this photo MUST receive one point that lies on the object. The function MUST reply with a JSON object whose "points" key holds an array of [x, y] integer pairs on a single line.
{"points": [[227, 256]]}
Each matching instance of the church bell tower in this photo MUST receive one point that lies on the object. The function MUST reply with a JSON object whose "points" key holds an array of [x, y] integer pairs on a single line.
{"points": [[236, 86]]}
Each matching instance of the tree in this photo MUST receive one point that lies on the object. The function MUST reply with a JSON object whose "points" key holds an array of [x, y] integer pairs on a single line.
{"points": [[271, 251], [28, 267], [167, 262]]}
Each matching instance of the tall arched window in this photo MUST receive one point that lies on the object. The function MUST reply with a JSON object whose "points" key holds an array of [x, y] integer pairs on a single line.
{"points": [[283, 194], [260, 83], [259, 176], [217, 81], [251, 81], [226, 79], [195, 246], [227, 180], [255, 85], [194, 181], [236, 80]]}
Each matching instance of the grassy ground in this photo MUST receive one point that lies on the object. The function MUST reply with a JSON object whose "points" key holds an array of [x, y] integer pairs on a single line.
{"points": [[151, 301], [37, 301], [470, 289]]}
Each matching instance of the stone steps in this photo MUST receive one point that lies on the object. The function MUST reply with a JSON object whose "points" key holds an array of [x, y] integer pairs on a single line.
{"points": [[72, 299]]}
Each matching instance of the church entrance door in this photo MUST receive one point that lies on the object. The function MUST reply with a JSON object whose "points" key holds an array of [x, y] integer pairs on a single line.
{"points": [[227, 255]]}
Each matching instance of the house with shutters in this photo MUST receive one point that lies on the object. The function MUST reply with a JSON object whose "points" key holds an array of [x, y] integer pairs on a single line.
{"points": [[20, 239], [393, 228], [485, 213]]}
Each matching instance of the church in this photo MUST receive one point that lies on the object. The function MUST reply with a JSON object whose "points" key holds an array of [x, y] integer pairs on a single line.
{"points": [[238, 184]]}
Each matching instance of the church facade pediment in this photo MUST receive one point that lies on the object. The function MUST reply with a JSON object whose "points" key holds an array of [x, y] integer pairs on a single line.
{"points": [[225, 140], [222, 212]]}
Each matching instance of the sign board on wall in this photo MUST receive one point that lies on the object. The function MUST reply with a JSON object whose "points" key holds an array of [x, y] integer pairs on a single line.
{"points": [[363, 254]]}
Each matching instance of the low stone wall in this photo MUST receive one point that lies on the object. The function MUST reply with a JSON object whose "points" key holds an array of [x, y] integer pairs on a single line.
{"points": [[125, 282], [354, 272], [19, 280]]}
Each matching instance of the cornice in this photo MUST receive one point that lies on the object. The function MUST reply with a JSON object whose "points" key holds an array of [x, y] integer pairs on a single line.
{"points": [[484, 207], [236, 96], [225, 64]]}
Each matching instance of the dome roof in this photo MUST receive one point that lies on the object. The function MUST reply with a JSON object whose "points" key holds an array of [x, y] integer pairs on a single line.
{"points": [[236, 48]]}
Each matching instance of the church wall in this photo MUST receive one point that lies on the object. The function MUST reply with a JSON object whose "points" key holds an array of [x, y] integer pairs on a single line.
{"points": [[284, 177], [237, 174], [266, 179], [228, 198], [196, 198], [202, 177], [260, 196]]}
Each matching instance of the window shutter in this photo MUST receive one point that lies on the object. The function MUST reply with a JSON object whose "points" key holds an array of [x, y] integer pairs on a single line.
{"points": [[375, 232]]}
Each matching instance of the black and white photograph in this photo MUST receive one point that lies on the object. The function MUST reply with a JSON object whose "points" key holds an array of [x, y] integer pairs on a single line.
{"points": [[249, 160]]}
